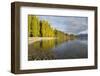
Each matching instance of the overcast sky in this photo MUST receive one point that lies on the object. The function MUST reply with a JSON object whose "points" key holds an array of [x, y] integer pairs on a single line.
{"points": [[68, 24]]}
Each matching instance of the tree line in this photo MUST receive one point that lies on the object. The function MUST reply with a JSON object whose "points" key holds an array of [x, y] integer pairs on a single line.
{"points": [[42, 28]]}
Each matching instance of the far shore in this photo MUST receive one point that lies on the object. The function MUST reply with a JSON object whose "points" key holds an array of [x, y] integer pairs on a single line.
{"points": [[35, 39]]}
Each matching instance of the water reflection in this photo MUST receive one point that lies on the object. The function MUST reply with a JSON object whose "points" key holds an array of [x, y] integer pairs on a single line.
{"points": [[57, 49]]}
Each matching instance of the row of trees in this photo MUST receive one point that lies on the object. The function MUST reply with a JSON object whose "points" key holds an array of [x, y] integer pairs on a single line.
{"points": [[39, 28], [42, 28]]}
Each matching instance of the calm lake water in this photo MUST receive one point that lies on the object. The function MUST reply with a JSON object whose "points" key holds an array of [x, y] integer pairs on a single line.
{"points": [[58, 49]]}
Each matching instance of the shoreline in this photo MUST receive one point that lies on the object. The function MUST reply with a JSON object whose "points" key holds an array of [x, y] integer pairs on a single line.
{"points": [[35, 39]]}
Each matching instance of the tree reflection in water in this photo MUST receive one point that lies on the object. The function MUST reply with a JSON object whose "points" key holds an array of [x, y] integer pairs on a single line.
{"points": [[41, 50]]}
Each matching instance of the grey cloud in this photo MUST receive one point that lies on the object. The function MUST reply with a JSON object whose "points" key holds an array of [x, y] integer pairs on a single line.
{"points": [[68, 24]]}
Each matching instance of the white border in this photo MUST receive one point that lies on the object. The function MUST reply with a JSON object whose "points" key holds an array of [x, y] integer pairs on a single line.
{"points": [[25, 64]]}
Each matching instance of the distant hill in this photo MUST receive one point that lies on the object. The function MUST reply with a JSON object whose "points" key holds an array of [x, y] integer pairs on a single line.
{"points": [[82, 36]]}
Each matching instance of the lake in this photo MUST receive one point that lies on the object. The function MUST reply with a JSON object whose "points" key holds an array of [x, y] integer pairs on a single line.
{"points": [[58, 49]]}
